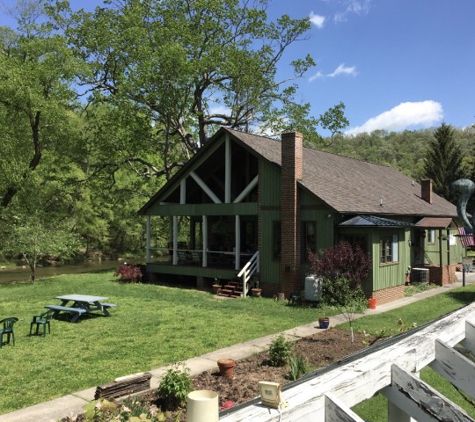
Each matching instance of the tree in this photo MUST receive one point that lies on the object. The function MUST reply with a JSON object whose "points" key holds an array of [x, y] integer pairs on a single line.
{"points": [[35, 236], [36, 67], [341, 269], [444, 161], [184, 67]]}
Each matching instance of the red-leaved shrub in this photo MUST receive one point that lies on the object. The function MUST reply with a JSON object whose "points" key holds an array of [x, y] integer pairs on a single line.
{"points": [[129, 273]]}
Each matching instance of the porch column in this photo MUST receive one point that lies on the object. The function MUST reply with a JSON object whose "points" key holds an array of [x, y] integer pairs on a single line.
{"points": [[147, 258], [237, 251], [175, 240], [205, 241]]}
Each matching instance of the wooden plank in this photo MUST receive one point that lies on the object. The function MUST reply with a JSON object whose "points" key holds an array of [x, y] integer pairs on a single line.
{"points": [[454, 367], [421, 401], [359, 379], [469, 341], [337, 411], [124, 386]]}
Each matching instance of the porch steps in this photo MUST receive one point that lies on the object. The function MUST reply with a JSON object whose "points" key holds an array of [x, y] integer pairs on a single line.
{"points": [[231, 289]]}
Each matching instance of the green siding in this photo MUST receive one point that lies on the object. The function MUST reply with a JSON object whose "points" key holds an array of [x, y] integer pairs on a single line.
{"points": [[244, 208]]}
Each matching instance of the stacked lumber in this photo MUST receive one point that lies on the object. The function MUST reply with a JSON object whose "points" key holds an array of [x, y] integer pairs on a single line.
{"points": [[124, 386]]}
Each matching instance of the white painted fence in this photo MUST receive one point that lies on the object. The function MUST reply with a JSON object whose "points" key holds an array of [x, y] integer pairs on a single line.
{"points": [[390, 368]]}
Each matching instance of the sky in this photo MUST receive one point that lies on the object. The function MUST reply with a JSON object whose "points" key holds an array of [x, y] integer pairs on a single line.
{"points": [[395, 64]]}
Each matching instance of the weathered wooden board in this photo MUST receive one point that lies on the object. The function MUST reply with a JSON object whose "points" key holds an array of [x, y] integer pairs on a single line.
{"points": [[361, 378], [420, 400], [124, 386], [336, 411], [454, 367]]}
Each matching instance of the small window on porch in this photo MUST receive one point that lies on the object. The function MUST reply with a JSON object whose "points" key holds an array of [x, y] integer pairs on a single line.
{"points": [[389, 248]]}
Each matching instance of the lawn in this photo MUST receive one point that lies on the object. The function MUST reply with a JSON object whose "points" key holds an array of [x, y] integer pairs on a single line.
{"points": [[152, 326]]}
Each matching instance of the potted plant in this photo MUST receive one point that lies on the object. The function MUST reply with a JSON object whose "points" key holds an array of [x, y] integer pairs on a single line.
{"points": [[216, 286], [323, 322], [256, 291]]}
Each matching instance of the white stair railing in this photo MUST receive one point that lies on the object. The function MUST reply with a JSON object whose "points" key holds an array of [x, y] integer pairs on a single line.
{"points": [[250, 268]]}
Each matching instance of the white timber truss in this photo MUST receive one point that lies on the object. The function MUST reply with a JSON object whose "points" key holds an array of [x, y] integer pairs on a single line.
{"points": [[214, 197], [391, 368]]}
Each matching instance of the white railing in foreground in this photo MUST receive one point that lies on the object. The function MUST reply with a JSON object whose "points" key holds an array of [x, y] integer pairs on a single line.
{"points": [[391, 369], [251, 268]]}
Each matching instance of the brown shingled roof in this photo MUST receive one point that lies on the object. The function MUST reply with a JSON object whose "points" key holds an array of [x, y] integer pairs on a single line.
{"points": [[353, 186]]}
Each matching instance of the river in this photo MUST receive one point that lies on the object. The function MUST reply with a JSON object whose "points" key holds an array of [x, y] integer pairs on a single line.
{"points": [[8, 275]]}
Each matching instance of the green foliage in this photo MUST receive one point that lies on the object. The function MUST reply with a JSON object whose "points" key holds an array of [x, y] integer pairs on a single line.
{"points": [[298, 367], [444, 161], [418, 288], [34, 237], [129, 273], [174, 387], [133, 409], [341, 261], [280, 351]]}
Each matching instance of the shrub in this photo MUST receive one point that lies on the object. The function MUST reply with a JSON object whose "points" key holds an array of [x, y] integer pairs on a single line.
{"points": [[129, 273], [279, 351], [341, 261], [174, 387]]}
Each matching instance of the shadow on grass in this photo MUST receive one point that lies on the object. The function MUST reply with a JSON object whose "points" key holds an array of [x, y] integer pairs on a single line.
{"points": [[463, 297]]}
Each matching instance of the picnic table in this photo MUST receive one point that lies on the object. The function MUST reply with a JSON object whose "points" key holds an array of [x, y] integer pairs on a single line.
{"points": [[78, 305]]}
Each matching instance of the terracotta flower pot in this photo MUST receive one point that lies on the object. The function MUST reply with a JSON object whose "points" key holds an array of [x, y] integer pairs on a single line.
{"points": [[226, 367], [216, 288], [256, 292]]}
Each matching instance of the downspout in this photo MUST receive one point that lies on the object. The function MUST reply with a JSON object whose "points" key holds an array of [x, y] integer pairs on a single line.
{"points": [[441, 256], [147, 257]]}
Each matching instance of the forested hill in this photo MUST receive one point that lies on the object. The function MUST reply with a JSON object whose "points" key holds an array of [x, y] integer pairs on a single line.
{"points": [[404, 151]]}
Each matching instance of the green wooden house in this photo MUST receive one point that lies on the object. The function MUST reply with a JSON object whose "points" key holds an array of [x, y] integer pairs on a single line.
{"points": [[249, 207]]}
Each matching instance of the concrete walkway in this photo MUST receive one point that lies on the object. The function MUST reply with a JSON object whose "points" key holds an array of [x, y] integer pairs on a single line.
{"points": [[72, 404]]}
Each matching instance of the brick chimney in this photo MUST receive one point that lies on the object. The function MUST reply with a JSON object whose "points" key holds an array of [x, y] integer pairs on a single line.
{"points": [[426, 190], [292, 171]]}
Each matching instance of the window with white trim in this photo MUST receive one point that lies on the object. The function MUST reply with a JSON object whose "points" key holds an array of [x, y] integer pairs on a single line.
{"points": [[388, 248], [431, 236]]}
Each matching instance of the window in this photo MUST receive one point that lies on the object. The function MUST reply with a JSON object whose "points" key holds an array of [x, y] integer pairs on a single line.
{"points": [[389, 248], [308, 239], [431, 237], [276, 240], [356, 240]]}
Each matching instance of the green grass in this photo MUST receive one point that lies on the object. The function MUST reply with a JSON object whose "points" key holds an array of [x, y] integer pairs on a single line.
{"points": [[375, 409], [152, 326]]}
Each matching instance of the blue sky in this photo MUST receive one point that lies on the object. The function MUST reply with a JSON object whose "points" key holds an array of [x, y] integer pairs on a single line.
{"points": [[396, 64]]}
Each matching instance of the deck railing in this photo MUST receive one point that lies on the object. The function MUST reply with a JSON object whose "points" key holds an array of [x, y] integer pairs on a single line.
{"points": [[391, 368], [250, 268]]}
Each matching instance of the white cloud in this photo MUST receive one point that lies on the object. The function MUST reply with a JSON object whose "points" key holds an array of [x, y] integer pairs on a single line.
{"points": [[343, 70], [404, 115], [340, 70], [317, 20], [358, 7]]}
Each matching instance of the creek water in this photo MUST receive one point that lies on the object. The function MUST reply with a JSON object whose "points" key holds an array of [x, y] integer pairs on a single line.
{"points": [[8, 275]]}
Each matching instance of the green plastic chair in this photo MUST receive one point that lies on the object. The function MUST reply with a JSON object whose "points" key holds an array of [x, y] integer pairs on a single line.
{"points": [[42, 320], [7, 329]]}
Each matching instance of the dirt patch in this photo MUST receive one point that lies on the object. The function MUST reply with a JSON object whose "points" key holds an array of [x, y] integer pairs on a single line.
{"points": [[318, 351]]}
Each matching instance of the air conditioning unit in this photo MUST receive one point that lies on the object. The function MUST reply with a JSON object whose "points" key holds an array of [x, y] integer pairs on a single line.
{"points": [[313, 288], [420, 275]]}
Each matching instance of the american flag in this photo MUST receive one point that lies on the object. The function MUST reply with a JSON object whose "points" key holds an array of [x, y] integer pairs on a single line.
{"points": [[466, 237]]}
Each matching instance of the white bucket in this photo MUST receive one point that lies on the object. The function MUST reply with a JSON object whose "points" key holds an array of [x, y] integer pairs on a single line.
{"points": [[202, 406]]}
